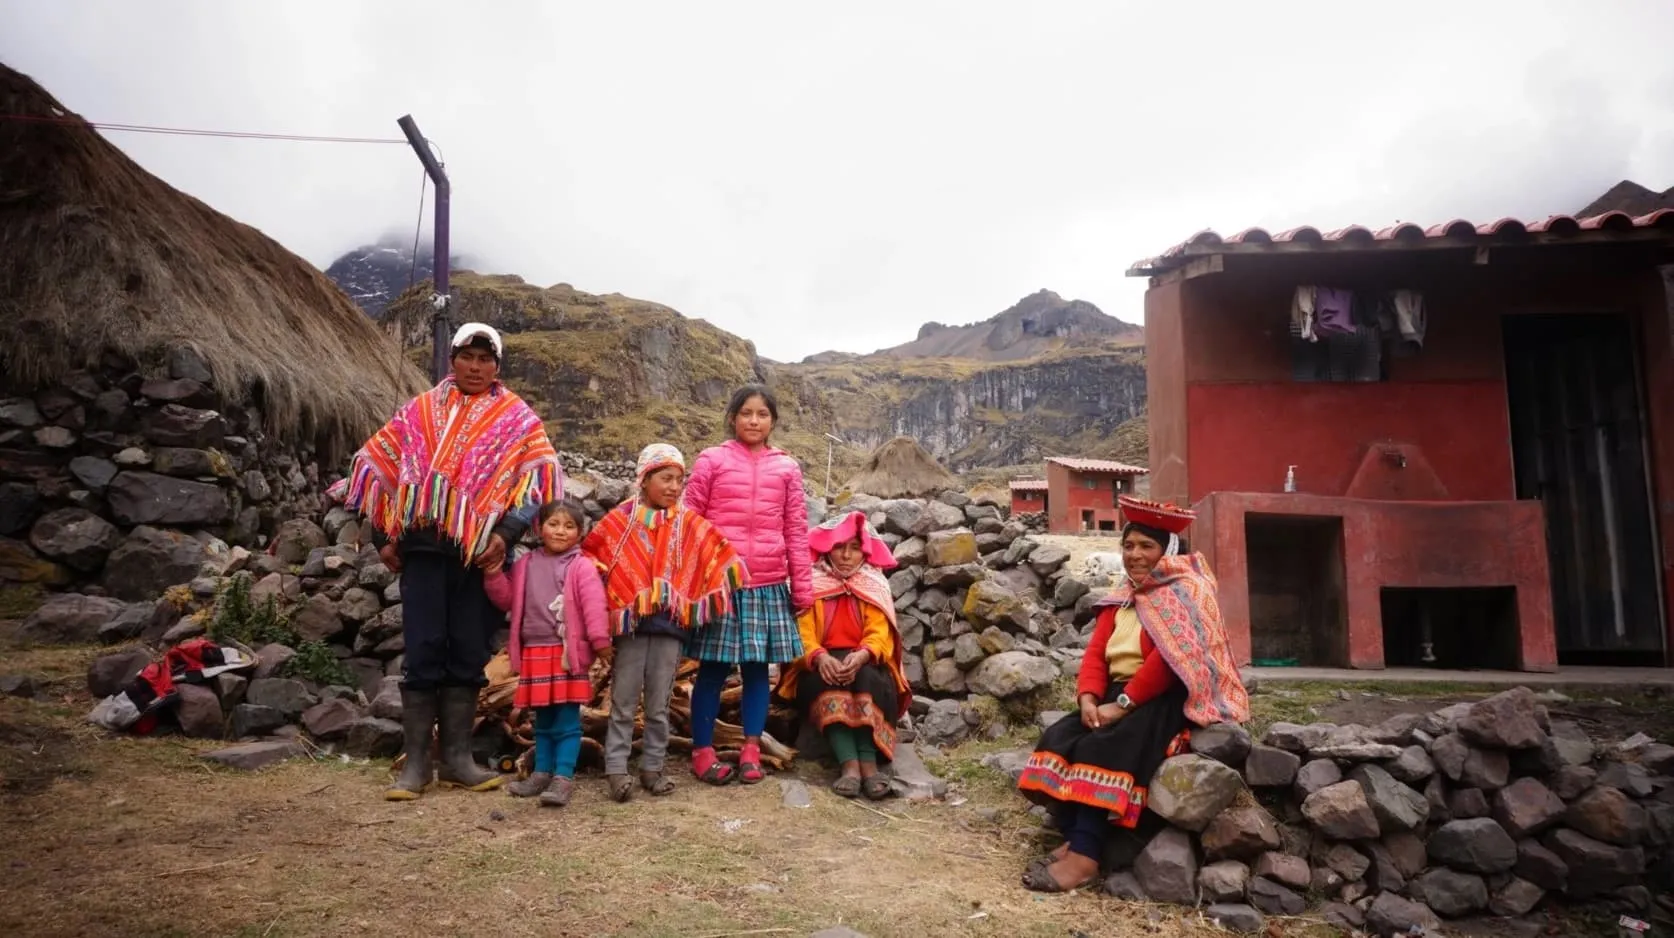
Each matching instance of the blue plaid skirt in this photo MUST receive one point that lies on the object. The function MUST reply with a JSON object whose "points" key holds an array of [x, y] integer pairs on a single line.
{"points": [[761, 628]]}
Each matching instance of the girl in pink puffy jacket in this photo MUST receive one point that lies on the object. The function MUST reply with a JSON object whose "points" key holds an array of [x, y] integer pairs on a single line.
{"points": [[753, 493]]}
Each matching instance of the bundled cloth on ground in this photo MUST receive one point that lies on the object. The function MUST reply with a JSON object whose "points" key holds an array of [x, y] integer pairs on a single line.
{"points": [[148, 696]]}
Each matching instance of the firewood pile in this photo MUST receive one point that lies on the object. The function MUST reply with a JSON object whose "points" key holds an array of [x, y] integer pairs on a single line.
{"points": [[510, 730]]}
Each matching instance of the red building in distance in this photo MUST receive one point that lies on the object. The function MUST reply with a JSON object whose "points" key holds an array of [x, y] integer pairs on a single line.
{"points": [[1028, 496], [1080, 494]]}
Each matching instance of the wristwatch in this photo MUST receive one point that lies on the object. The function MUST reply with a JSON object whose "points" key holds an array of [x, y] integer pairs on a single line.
{"points": [[1124, 701]]}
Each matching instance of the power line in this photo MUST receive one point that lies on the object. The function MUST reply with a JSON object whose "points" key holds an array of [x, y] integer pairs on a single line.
{"points": [[188, 132], [418, 226]]}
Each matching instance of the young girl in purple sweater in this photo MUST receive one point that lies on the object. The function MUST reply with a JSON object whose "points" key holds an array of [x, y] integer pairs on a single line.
{"points": [[558, 628]]}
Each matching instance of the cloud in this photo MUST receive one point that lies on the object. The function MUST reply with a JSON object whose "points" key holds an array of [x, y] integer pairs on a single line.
{"points": [[816, 179]]}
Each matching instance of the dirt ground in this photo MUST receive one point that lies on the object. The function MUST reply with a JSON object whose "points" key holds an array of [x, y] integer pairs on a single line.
{"points": [[108, 835]]}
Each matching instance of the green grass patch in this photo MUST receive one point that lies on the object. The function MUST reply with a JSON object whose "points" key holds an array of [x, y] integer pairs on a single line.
{"points": [[20, 600]]}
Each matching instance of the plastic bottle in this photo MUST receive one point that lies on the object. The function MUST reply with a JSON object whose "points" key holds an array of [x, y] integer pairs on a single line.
{"points": [[1290, 478]]}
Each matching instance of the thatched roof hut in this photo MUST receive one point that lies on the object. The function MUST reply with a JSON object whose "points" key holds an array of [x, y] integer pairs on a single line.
{"points": [[97, 255], [901, 468]]}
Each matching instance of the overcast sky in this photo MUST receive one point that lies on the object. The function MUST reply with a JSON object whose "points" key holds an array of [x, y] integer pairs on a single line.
{"points": [[817, 176]]}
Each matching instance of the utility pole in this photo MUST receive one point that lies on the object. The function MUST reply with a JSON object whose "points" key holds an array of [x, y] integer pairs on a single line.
{"points": [[439, 226]]}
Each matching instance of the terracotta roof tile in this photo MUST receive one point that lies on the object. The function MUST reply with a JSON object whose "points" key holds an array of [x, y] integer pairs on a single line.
{"points": [[1028, 485], [1097, 465], [1464, 233]]}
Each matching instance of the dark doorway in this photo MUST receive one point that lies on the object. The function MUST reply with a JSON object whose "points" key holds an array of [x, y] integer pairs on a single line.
{"points": [[1578, 445], [1298, 613], [1471, 628]]}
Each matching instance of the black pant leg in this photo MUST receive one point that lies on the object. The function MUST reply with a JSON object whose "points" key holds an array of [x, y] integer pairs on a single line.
{"points": [[424, 619], [471, 623]]}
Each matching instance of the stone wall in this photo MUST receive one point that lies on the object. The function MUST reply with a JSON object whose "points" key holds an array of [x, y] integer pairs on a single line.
{"points": [[119, 480]]}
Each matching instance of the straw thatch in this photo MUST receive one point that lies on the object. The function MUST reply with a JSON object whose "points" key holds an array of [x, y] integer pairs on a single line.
{"points": [[901, 468], [98, 255]]}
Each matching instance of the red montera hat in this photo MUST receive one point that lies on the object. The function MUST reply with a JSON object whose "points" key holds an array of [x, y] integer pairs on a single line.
{"points": [[1159, 515]]}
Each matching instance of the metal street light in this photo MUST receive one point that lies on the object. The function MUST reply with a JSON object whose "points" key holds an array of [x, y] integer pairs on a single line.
{"points": [[831, 442]]}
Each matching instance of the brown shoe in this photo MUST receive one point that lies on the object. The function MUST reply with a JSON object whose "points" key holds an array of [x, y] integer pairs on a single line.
{"points": [[530, 787], [558, 792], [621, 787]]}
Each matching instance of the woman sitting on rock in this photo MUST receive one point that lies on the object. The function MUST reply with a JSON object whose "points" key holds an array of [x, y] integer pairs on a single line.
{"points": [[1157, 665], [850, 682]]}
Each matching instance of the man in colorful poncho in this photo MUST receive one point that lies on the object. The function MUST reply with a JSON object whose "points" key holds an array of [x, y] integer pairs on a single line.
{"points": [[449, 484]]}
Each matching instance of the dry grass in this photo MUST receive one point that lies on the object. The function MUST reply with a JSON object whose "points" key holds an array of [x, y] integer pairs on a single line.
{"points": [[150, 840], [97, 255]]}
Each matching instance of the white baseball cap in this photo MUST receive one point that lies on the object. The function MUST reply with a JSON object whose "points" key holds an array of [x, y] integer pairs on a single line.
{"points": [[474, 330]]}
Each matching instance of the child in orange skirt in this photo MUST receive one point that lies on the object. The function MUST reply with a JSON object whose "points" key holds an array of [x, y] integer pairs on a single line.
{"points": [[558, 627]]}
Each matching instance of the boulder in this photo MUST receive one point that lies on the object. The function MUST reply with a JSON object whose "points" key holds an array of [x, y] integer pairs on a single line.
{"points": [[1274, 899], [1270, 767], [1341, 812], [1468, 803], [991, 603], [1046, 559], [912, 552], [1346, 862], [1236, 917], [76, 537], [1606, 814], [1283, 868], [1539, 865], [951, 548], [137, 498], [316, 620], [1516, 897], [1595, 867], [330, 719], [110, 673], [943, 725], [1397, 807], [1413, 766], [1507, 720], [69, 619], [904, 516], [198, 711], [1629, 778], [1449, 892], [297, 538], [252, 720], [250, 757], [1526, 807], [177, 425], [1188, 791], [359, 605], [150, 560], [1223, 881], [1241, 832], [1314, 776], [1293, 737], [1011, 674], [188, 463], [1390, 915], [1167, 868], [943, 676], [287, 696], [1476, 845], [1227, 743], [1570, 781]]}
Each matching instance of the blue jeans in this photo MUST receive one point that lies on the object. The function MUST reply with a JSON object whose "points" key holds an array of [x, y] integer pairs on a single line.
{"points": [[558, 739]]}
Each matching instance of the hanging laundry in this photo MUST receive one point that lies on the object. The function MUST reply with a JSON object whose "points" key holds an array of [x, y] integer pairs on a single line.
{"points": [[1302, 315], [1409, 316], [1355, 356], [1333, 311]]}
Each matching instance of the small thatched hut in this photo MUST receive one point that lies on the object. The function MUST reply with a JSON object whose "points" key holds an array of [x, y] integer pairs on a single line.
{"points": [[98, 256], [168, 376], [901, 468]]}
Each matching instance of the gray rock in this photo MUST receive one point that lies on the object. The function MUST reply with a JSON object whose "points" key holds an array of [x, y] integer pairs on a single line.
{"points": [[1397, 807], [109, 674], [911, 552], [1283, 868], [1449, 752], [1353, 744], [1315, 775], [151, 559], [1487, 769], [1630, 778], [20, 413], [1011, 674], [1188, 791], [55, 438], [17, 685], [1449, 892], [1236, 917], [198, 711], [75, 536], [253, 720], [945, 677], [1390, 915], [1068, 592], [911, 780], [1223, 881], [952, 578], [1167, 867], [1476, 845], [1413, 766], [1595, 867], [1526, 807], [1341, 812], [372, 738], [1046, 559], [287, 696], [386, 703], [1343, 915], [1272, 767], [1606, 814], [1468, 803], [967, 651], [229, 689], [1242, 832], [250, 757], [1227, 743], [951, 549], [1274, 899], [187, 365], [1346, 862], [175, 425], [184, 628], [131, 456], [19, 503], [330, 719], [359, 605], [1515, 898], [1010, 762], [1293, 737], [296, 538], [270, 659], [1539, 865], [317, 619], [137, 498], [1507, 720], [992, 603], [1124, 885], [69, 619], [93, 471], [376, 577]]}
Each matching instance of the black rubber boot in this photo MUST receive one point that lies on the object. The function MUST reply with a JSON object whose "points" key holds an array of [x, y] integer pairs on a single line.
{"points": [[418, 719], [453, 726]]}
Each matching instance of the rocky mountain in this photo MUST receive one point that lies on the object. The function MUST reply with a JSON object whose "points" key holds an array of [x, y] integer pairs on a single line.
{"points": [[1039, 324], [1047, 376], [375, 274]]}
